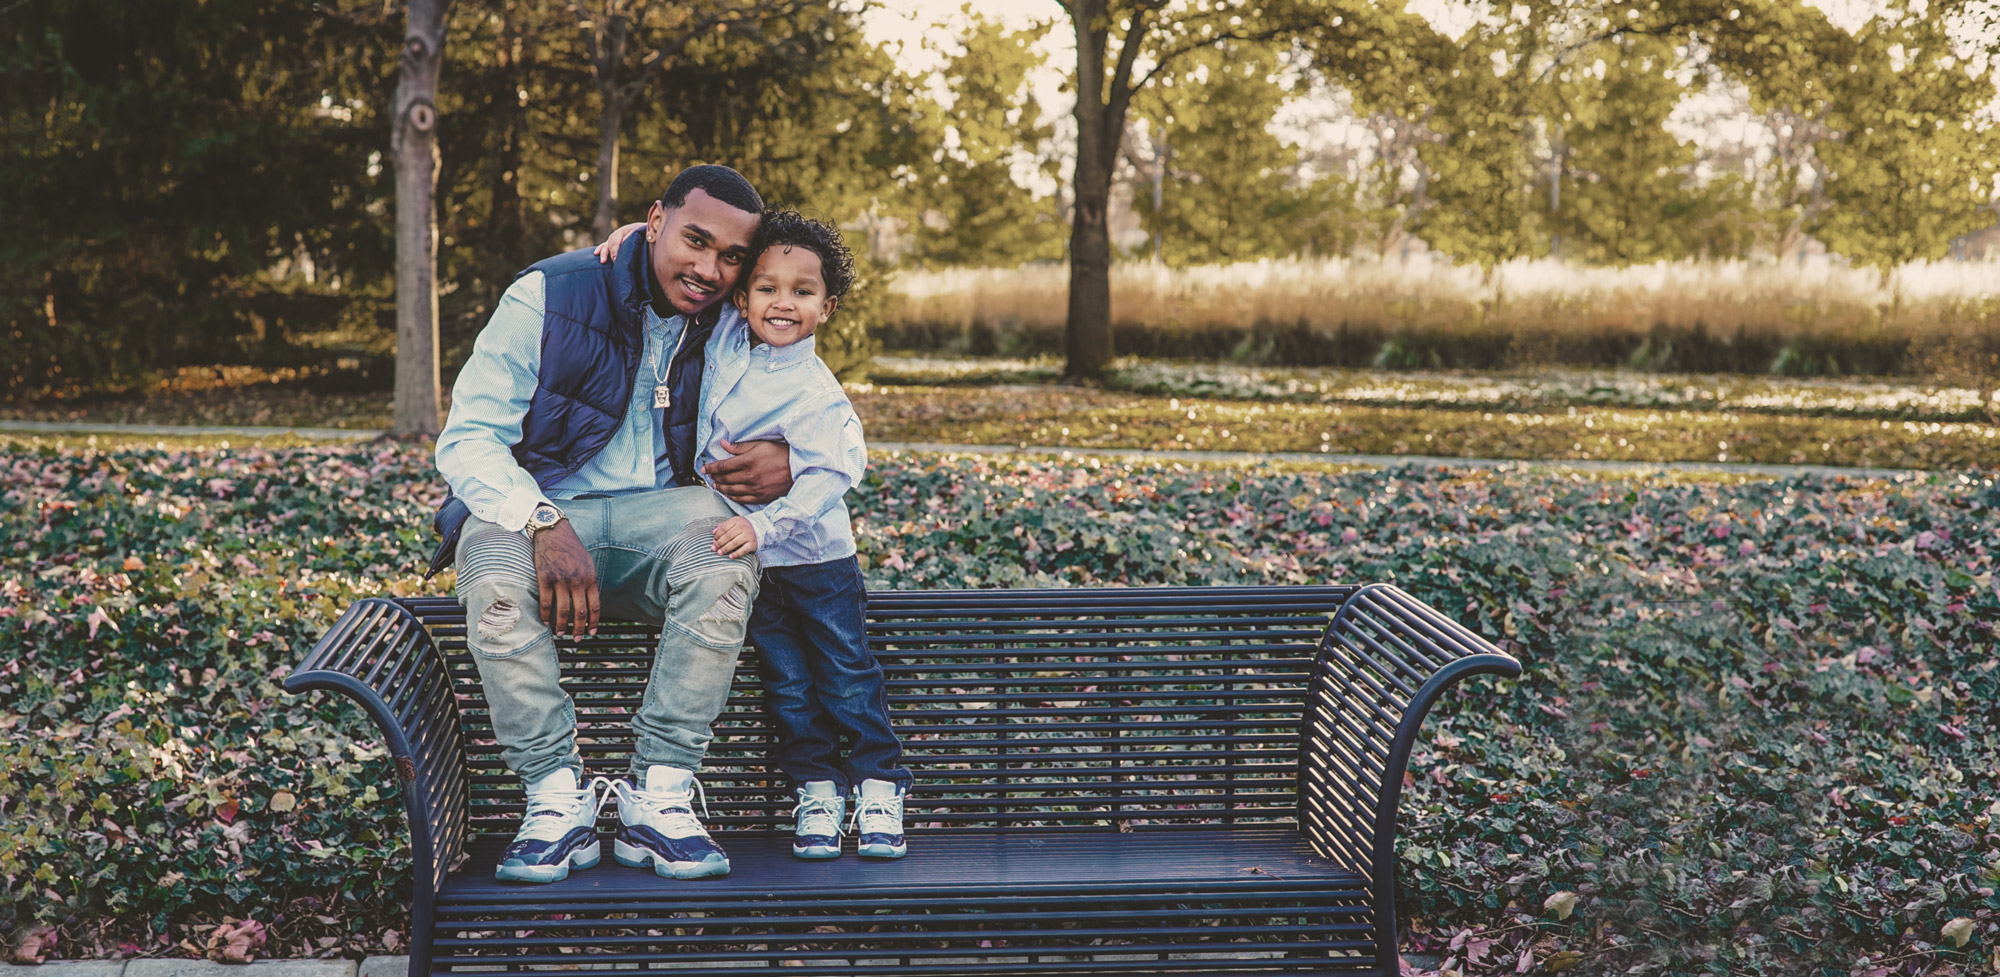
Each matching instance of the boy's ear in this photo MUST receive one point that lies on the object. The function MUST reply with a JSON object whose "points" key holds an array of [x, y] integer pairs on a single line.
{"points": [[741, 299], [826, 312]]}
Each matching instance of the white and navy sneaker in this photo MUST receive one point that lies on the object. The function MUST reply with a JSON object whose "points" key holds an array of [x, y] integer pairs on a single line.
{"points": [[817, 831], [878, 819], [559, 831], [657, 826]]}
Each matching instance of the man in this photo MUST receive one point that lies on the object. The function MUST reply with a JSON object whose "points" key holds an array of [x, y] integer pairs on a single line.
{"points": [[570, 445]]}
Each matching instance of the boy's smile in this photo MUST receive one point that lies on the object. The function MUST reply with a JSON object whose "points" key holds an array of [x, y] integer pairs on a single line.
{"points": [[785, 298]]}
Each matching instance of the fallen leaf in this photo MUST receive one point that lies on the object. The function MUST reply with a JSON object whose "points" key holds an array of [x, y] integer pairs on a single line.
{"points": [[283, 801], [236, 941], [1562, 904], [36, 945], [1958, 931]]}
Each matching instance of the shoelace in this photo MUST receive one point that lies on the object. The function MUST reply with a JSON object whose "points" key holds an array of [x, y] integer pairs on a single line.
{"points": [[671, 805], [876, 809], [818, 815], [552, 813]]}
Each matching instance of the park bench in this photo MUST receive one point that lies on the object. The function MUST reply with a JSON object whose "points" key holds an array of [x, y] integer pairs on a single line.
{"points": [[1167, 780]]}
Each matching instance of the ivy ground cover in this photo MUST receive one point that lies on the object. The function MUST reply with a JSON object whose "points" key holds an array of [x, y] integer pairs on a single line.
{"points": [[1756, 734]]}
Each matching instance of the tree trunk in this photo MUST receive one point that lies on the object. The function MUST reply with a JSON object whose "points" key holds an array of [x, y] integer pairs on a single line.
{"points": [[507, 232], [1159, 194], [1089, 328], [610, 110], [610, 51], [413, 143]]}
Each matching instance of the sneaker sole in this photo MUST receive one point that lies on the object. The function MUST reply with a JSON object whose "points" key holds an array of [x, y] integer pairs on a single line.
{"points": [[882, 851], [816, 852], [640, 858], [582, 858]]}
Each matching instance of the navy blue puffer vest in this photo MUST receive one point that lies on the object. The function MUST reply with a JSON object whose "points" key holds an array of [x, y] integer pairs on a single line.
{"points": [[593, 337]]}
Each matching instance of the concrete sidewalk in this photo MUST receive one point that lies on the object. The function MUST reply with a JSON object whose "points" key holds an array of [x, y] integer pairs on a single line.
{"points": [[165, 967]]}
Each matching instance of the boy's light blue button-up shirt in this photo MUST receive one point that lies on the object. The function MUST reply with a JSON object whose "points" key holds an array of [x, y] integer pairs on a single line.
{"points": [[753, 392], [490, 399]]}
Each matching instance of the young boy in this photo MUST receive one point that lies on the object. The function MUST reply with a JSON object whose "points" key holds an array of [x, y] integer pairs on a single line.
{"points": [[820, 681]]}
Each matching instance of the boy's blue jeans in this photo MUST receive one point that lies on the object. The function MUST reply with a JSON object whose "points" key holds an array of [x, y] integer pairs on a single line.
{"points": [[820, 681]]}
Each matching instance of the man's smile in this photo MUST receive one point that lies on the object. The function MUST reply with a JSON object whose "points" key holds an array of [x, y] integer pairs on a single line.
{"points": [[695, 288]]}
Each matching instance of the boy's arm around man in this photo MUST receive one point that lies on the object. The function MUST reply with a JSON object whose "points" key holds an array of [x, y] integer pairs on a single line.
{"points": [[829, 456]]}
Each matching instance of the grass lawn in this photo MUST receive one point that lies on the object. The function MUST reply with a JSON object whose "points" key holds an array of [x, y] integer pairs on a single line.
{"points": [[1560, 415], [1084, 418]]}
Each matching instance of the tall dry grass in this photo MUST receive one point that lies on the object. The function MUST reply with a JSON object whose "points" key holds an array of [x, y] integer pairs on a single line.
{"points": [[1811, 317]]}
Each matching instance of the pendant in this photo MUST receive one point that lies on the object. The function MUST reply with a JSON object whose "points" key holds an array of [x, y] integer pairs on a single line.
{"points": [[661, 398]]}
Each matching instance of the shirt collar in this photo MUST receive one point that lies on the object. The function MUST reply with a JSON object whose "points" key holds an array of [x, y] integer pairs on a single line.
{"points": [[781, 357], [654, 320]]}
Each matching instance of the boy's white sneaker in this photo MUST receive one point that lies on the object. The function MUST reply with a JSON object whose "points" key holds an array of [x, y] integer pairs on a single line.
{"points": [[558, 832], [657, 826], [878, 820], [817, 820]]}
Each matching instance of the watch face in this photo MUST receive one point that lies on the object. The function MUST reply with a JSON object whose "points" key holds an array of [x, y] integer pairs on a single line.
{"points": [[544, 516]]}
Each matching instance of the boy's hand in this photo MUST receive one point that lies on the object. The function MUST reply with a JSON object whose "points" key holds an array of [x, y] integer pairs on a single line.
{"points": [[609, 249], [736, 537]]}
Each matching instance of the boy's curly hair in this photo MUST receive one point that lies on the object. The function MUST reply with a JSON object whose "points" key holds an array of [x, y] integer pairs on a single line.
{"points": [[789, 228]]}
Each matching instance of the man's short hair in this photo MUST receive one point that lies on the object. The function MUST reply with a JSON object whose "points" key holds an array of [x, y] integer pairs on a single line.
{"points": [[791, 229], [717, 181]]}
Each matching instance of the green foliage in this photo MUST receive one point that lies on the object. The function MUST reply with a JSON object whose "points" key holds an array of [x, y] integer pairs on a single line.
{"points": [[1753, 733], [162, 164], [977, 214], [1911, 169], [1627, 195], [189, 183], [1231, 190], [846, 343]]}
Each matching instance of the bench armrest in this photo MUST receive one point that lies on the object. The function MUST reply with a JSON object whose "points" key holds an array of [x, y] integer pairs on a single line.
{"points": [[1385, 658], [380, 655]]}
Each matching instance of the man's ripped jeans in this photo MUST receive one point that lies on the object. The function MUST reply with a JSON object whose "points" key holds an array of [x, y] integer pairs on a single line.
{"points": [[655, 562]]}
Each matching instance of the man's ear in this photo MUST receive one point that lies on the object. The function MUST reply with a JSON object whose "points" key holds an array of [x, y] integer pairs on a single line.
{"points": [[656, 218]]}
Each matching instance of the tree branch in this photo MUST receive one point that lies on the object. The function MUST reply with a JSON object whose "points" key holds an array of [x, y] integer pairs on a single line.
{"points": [[1167, 58], [589, 34], [659, 57], [1121, 92], [1562, 57]]}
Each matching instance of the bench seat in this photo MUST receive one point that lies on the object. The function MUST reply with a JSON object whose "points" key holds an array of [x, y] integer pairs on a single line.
{"points": [[1163, 780]]}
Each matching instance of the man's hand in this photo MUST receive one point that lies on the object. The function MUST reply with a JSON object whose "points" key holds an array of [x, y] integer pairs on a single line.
{"points": [[568, 580], [736, 537], [759, 474], [608, 251]]}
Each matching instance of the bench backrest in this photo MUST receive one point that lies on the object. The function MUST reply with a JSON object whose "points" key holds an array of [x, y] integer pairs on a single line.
{"points": [[1084, 709]]}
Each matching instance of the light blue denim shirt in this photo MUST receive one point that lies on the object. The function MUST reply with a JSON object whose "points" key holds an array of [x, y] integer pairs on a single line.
{"points": [[752, 392], [475, 449]]}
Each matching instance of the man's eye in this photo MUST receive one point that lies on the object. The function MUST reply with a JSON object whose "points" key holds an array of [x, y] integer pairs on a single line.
{"points": [[694, 241], [733, 258]]}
